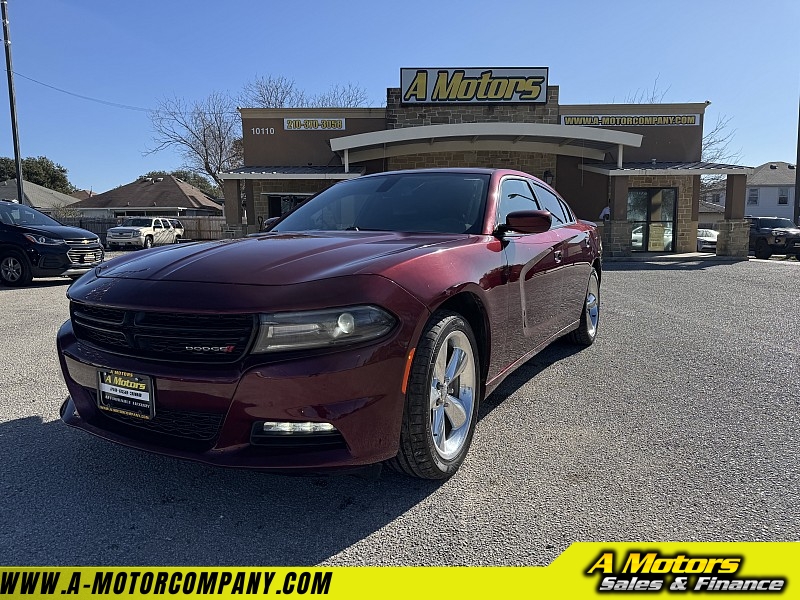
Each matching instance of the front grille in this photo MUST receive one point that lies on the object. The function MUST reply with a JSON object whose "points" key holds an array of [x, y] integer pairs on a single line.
{"points": [[181, 429], [79, 242], [121, 234], [188, 425], [85, 256], [182, 337]]}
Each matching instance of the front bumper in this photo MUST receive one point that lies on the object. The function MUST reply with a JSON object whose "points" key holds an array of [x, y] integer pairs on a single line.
{"points": [[125, 241], [53, 262], [208, 412], [783, 244]]}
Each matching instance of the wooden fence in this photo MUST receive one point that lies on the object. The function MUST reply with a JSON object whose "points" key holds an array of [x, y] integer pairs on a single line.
{"points": [[195, 228]]}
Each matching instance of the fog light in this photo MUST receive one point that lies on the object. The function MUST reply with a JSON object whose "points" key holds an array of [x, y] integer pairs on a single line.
{"points": [[305, 427]]}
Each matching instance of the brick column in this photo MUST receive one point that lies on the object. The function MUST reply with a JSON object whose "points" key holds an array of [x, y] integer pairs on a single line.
{"points": [[734, 237], [734, 231], [233, 205], [616, 237], [250, 207], [619, 199]]}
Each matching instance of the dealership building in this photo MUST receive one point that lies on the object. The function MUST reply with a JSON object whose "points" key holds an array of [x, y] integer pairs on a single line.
{"points": [[642, 162]]}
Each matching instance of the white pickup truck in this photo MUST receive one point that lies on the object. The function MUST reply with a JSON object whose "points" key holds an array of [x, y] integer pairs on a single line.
{"points": [[142, 232]]}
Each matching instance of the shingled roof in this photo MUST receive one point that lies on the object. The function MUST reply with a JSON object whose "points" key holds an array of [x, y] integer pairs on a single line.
{"points": [[773, 173], [163, 192], [36, 196]]}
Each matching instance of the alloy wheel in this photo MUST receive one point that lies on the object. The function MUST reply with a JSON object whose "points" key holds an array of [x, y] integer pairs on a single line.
{"points": [[452, 395]]}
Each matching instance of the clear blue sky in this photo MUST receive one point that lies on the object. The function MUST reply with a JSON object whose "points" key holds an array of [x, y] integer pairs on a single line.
{"points": [[742, 56]]}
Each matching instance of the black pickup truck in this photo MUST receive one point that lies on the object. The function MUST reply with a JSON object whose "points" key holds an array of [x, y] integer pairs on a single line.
{"points": [[774, 235]]}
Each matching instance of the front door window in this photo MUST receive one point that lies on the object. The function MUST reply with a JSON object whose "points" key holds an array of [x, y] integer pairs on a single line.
{"points": [[651, 212]]}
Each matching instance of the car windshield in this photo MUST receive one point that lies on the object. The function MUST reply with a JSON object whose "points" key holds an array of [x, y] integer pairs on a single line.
{"points": [[410, 202], [776, 223], [137, 223], [15, 214]]}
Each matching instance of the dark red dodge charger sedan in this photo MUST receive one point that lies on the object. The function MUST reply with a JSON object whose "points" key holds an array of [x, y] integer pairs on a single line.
{"points": [[365, 326]]}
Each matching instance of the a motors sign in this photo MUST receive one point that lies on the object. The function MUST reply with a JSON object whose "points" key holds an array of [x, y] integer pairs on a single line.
{"points": [[478, 85]]}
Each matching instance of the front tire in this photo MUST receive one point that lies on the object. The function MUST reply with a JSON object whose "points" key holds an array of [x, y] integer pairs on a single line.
{"points": [[148, 242], [586, 332], [763, 251], [442, 400], [14, 270]]}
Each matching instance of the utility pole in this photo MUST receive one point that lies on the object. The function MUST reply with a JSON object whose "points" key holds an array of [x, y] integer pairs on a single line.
{"points": [[797, 173], [12, 101]]}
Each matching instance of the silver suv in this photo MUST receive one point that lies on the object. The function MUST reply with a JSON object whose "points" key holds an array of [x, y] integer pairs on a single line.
{"points": [[142, 232]]}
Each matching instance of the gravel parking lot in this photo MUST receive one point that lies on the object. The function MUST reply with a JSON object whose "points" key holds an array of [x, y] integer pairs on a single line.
{"points": [[680, 423]]}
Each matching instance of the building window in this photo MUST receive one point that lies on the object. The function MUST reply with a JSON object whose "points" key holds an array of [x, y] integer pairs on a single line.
{"points": [[715, 198], [752, 196], [783, 195]]}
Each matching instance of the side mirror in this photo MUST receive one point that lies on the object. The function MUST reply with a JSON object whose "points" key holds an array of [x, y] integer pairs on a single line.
{"points": [[268, 223], [528, 221]]}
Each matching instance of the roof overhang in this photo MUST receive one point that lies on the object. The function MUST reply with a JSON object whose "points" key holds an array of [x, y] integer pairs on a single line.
{"points": [[329, 173], [664, 168], [569, 140]]}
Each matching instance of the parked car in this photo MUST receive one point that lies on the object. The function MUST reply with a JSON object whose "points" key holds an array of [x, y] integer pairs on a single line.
{"points": [[707, 240], [366, 326], [35, 245], [637, 238], [178, 229], [773, 235], [141, 232]]}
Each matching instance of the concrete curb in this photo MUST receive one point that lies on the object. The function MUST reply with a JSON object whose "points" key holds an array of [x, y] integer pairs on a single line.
{"points": [[676, 258]]}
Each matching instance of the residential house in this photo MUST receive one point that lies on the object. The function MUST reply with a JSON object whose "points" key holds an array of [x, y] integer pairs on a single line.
{"points": [[164, 196], [770, 191], [39, 197]]}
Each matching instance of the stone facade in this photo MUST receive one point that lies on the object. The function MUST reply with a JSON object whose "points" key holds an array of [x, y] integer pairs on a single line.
{"points": [[734, 238], [284, 187], [616, 236], [686, 238], [534, 163], [414, 115]]}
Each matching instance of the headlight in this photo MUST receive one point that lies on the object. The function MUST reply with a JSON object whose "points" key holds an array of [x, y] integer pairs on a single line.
{"points": [[40, 239], [137, 232], [321, 328]]}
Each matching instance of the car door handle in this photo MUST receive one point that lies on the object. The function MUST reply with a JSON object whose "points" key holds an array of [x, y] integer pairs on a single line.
{"points": [[558, 256]]}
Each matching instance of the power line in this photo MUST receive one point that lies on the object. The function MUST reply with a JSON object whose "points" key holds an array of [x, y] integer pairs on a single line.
{"points": [[99, 101]]}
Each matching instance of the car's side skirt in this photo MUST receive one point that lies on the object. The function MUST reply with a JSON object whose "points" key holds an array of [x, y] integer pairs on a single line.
{"points": [[492, 384]]}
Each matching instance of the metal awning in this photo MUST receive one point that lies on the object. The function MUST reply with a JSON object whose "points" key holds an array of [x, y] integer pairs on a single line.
{"points": [[570, 140], [311, 172], [666, 168]]}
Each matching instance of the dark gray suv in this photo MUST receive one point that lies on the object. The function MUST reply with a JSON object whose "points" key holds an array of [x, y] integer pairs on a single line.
{"points": [[774, 235], [34, 245]]}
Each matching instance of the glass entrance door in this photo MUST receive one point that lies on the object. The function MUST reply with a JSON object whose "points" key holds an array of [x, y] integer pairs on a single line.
{"points": [[651, 212]]}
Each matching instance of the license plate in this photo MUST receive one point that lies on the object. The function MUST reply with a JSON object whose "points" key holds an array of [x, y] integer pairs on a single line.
{"points": [[125, 393]]}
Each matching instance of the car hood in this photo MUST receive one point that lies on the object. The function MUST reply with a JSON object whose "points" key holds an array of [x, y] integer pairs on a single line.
{"points": [[271, 258], [60, 231]]}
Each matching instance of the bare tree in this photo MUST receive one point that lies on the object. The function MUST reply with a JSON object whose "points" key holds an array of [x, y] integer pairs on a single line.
{"points": [[280, 92], [645, 96], [347, 96], [716, 145], [271, 92], [206, 132]]}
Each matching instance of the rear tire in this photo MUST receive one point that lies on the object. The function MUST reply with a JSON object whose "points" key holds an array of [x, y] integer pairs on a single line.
{"points": [[763, 251], [442, 400], [586, 332], [14, 269]]}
